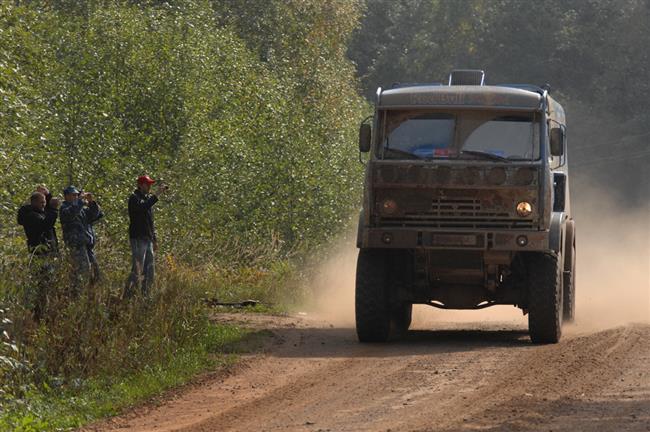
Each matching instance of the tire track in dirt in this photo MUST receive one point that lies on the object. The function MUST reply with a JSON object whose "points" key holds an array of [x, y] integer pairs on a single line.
{"points": [[318, 378], [572, 386]]}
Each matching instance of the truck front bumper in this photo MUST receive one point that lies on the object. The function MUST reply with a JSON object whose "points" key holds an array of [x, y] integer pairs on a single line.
{"points": [[413, 238]]}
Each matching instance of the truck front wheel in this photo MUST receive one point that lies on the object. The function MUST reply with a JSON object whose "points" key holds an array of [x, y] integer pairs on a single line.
{"points": [[545, 297], [372, 307]]}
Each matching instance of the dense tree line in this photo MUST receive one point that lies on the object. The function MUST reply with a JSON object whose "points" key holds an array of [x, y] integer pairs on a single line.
{"points": [[594, 53], [247, 111]]}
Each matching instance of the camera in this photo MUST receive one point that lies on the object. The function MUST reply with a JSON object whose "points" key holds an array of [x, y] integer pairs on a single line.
{"points": [[83, 196]]}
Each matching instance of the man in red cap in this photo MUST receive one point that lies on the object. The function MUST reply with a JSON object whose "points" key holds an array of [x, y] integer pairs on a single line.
{"points": [[142, 234]]}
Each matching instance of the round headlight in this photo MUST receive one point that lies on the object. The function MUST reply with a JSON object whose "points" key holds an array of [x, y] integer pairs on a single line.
{"points": [[389, 206], [524, 209]]}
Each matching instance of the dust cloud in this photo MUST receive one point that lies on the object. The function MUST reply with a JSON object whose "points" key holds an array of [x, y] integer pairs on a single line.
{"points": [[333, 284], [613, 262], [613, 274]]}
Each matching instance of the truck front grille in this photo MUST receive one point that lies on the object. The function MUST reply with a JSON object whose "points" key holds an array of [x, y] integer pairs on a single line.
{"points": [[457, 213]]}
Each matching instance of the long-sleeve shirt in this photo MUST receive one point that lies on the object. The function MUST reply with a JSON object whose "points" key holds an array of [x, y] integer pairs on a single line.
{"points": [[76, 220], [141, 224], [39, 226], [90, 226]]}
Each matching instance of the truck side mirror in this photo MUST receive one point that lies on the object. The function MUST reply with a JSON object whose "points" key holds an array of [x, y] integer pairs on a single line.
{"points": [[557, 141], [364, 138]]}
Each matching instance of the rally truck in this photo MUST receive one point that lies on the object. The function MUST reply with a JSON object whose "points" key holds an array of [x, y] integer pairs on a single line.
{"points": [[466, 205]]}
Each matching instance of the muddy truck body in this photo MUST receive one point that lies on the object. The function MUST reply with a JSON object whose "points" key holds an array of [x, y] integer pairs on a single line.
{"points": [[466, 205]]}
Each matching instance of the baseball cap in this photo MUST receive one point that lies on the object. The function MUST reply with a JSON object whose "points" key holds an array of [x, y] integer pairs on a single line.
{"points": [[146, 179], [70, 190]]}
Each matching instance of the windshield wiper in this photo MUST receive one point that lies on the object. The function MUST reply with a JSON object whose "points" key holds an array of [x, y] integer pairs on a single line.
{"points": [[402, 152], [487, 155]]}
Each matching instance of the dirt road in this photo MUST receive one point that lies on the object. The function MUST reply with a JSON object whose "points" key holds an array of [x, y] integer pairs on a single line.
{"points": [[444, 376]]}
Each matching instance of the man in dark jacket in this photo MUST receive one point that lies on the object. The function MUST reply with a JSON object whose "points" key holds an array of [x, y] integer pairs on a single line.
{"points": [[38, 218], [142, 235], [78, 213]]}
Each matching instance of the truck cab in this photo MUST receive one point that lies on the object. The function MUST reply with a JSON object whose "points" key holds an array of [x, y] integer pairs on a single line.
{"points": [[466, 205]]}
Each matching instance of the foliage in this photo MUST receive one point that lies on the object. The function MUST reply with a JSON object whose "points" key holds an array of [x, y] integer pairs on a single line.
{"points": [[254, 151], [92, 355], [60, 407]]}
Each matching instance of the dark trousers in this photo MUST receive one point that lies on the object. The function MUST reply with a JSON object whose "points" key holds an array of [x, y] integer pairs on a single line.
{"points": [[42, 271], [95, 274], [80, 267], [84, 266]]}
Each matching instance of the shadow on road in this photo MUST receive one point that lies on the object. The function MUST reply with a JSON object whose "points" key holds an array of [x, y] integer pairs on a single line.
{"points": [[565, 414], [342, 342]]}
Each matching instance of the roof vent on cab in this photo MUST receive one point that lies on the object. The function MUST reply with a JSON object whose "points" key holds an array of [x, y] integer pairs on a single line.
{"points": [[467, 77]]}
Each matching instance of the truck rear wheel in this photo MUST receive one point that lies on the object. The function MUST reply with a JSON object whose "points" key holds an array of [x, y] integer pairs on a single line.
{"points": [[545, 272], [372, 307], [569, 311], [569, 288]]}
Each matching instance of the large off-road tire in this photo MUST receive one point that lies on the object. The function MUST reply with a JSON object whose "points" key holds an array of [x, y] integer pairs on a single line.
{"points": [[372, 307], [569, 291], [545, 272], [401, 316], [569, 288]]}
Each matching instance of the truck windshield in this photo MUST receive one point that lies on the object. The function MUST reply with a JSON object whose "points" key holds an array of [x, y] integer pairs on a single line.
{"points": [[485, 135]]}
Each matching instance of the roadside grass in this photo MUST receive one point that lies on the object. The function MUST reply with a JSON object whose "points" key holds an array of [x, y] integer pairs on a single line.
{"points": [[96, 355], [73, 405]]}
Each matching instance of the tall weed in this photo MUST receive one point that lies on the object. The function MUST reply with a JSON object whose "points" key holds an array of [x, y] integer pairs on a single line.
{"points": [[99, 333]]}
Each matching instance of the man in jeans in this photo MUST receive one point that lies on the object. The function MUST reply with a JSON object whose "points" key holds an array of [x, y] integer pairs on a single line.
{"points": [[142, 235]]}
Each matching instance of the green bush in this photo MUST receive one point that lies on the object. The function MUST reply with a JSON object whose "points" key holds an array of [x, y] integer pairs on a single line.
{"points": [[92, 355], [256, 151]]}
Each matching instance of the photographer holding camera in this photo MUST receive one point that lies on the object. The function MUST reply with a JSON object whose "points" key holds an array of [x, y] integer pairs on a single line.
{"points": [[142, 235], [38, 217], [78, 213]]}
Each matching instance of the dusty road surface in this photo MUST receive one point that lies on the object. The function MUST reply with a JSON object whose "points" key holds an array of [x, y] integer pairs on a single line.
{"points": [[444, 376]]}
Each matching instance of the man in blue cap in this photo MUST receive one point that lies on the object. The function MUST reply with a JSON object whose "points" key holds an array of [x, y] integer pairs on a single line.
{"points": [[78, 213]]}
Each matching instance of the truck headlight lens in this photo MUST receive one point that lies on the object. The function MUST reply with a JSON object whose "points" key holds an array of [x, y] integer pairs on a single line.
{"points": [[389, 206], [524, 209]]}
